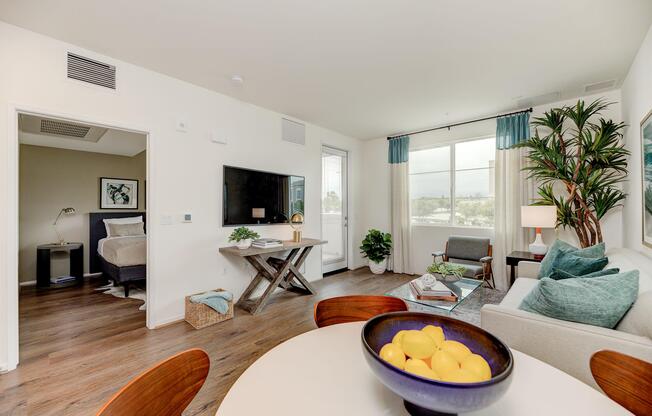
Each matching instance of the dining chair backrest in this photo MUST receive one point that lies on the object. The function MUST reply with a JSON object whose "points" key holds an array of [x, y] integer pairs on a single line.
{"points": [[355, 308], [626, 380], [164, 390]]}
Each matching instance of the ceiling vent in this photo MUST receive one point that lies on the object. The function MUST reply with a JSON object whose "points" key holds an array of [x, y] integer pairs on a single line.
{"points": [[37, 125], [61, 128], [600, 86], [293, 132], [91, 71]]}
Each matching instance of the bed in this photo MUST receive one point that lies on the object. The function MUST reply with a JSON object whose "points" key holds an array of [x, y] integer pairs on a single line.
{"points": [[120, 259]]}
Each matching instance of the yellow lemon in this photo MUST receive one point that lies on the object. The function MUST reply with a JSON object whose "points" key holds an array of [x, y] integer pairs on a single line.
{"points": [[417, 344], [435, 332], [420, 368], [478, 365], [458, 350], [393, 354], [442, 362], [461, 376], [398, 337]]}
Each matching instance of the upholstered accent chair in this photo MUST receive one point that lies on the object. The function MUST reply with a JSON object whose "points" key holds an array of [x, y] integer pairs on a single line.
{"points": [[473, 253]]}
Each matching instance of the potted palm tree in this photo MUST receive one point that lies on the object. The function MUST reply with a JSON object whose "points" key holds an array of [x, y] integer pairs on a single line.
{"points": [[377, 246], [578, 164], [243, 237]]}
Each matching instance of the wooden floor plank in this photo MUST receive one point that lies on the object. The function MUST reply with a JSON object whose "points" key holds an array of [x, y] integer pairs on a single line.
{"points": [[79, 346]]}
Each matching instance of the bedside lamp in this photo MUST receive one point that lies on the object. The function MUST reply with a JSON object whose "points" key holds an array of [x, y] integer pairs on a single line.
{"points": [[538, 216], [64, 211]]}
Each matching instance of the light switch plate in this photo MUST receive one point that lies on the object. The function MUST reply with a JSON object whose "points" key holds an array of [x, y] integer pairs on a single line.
{"points": [[166, 220]]}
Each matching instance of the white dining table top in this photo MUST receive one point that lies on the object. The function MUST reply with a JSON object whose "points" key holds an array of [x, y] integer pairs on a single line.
{"points": [[323, 372]]}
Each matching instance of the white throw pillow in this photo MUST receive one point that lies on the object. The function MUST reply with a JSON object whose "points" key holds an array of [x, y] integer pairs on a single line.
{"points": [[637, 320], [126, 220]]}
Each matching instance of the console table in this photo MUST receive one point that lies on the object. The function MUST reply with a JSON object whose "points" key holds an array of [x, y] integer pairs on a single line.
{"points": [[279, 272]]}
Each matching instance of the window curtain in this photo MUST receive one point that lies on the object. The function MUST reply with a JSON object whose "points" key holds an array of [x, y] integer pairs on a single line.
{"points": [[400, 204], [513, 190]]}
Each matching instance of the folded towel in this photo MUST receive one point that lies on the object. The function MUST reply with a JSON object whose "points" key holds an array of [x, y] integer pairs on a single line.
{"points": [[217, 300]]}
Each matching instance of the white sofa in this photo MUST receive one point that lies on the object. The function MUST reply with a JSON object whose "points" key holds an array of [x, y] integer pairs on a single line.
{"points": [[569, 345]]}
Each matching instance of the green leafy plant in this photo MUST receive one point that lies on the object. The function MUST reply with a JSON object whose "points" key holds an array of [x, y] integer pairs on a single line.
{"points": [[578, 165], [376, 245], [446, 269], [243, 233]]}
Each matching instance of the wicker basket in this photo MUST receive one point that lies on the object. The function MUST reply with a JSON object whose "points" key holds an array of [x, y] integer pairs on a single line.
{"points": [[200, 316]]}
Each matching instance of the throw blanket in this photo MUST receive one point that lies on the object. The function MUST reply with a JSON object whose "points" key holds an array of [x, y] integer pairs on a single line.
{"points": [[218, 301], [125, 251]]}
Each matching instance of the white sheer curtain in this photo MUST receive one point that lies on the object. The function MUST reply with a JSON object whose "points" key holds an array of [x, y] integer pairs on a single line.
{"points": [[513, 190], [400, 260]]}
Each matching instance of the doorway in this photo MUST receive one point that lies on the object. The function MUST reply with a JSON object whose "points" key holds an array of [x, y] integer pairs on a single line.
{"points": [[334, 213]]}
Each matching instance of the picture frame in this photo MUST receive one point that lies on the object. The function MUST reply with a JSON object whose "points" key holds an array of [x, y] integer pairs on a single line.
{"points": [[646, 178], [118, 193]]}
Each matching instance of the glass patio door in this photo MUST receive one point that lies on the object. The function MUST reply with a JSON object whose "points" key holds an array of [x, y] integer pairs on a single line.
{"points": [[334, 216]]}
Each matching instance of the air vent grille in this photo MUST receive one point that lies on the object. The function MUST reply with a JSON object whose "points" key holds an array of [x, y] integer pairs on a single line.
{"points": [[63, 129], [93, 72], [600, 86]]}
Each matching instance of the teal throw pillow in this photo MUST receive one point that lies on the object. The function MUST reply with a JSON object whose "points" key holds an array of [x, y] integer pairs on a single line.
{"points": [[600, 301], [573, 264], [559, 247], [560, 274]]}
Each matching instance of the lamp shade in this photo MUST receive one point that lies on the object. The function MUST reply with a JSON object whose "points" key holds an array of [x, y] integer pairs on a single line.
{"points": [[258, 212], [539, 216]]}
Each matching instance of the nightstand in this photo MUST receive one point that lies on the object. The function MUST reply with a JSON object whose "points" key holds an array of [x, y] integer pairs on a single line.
{"points": [[515, 257], [43, 258]]}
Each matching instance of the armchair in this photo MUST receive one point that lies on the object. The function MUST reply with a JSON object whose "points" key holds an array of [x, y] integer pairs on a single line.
{"points": [[473, 253]]}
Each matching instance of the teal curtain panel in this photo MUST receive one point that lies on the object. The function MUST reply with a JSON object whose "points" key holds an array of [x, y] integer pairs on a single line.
{"points": [[512, 130], [399, 149]]}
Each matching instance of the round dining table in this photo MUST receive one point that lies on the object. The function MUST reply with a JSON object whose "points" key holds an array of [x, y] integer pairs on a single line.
{"points": [[323, 372]]}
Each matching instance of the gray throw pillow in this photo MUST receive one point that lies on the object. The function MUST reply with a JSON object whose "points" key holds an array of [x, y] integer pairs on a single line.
{"points": [[124, 230], [600, 301]]}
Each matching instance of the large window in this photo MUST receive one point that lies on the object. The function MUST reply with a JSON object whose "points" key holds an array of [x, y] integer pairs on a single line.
{"points": [[453, 184]]}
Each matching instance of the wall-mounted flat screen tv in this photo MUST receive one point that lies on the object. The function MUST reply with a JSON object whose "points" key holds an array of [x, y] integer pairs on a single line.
{"points": [[252, 197]]}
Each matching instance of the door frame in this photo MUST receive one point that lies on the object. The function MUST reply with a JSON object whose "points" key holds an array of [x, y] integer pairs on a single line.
{"points": [[9, 286], [345, 202]]}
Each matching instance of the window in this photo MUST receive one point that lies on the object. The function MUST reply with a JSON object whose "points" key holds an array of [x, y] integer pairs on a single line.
{"points": [[453, 184]]}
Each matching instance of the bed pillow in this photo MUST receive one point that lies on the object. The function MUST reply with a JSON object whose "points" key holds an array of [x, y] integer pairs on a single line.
{"points": [[560, 274], [559, 247], [125, 230], [600, 301], [126, 220]]}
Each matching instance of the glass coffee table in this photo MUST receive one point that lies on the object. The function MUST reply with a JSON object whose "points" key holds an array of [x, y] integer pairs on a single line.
{"points": [[463, 288]]}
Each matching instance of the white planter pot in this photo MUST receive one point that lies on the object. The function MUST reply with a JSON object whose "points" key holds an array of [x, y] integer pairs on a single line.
{"points": [[378, 268], [244, 244]]}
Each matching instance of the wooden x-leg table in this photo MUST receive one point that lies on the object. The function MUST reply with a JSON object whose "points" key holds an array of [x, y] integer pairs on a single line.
{"points": [[277, 272]]}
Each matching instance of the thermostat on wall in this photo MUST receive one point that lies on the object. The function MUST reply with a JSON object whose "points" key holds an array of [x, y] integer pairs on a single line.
{"points": [[187, 217]]}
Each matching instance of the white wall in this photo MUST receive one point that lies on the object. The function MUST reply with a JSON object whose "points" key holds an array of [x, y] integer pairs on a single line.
{"points": [[185, 169], [637, 102], [425, 238]]}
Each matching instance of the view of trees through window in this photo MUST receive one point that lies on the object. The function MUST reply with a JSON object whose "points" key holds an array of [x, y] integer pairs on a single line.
{"points": [[453, 184]]}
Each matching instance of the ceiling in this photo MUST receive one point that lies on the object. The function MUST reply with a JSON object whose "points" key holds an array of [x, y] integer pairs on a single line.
{"points": [[38, 131], [366, 68]]}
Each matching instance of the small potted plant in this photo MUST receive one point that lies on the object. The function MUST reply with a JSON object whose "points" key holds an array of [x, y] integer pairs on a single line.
{"points": [[446, 272], [376, 246], [243, 237]]}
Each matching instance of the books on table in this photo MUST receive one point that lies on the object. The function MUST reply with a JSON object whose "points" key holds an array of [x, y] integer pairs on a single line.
{"points": [[428, 288], [267, 243]]}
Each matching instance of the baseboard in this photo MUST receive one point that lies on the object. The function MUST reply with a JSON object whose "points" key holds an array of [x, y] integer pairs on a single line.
{"points": [[169, 321], [26, 283]]}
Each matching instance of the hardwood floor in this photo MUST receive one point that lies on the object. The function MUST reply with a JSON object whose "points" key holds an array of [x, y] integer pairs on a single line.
{"points": [[78, 346]]}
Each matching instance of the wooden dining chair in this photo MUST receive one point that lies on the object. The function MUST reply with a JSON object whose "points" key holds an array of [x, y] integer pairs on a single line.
{"points": [[624, 379], [164, 390], [355, 308]]}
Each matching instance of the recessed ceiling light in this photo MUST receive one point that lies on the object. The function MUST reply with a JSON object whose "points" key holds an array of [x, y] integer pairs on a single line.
{"points": [[237, 79]]}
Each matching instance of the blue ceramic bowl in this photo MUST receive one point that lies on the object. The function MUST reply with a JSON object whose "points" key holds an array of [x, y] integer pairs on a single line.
{"points": [[424, 396]]}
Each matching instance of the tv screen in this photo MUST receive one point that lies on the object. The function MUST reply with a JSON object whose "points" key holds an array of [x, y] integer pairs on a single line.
{"points": [[253, 197]]}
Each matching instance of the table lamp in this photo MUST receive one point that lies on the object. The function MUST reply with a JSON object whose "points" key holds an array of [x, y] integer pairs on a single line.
{"points": [[258, 213], [296, 222], [64, 211], [538, 216]]}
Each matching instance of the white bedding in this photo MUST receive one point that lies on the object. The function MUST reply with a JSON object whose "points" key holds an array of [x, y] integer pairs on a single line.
{"points": [[100, 242], [124, 251]]}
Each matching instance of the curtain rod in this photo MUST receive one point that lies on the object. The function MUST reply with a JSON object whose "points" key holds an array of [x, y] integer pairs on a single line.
{"points": [[529, 110]]}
